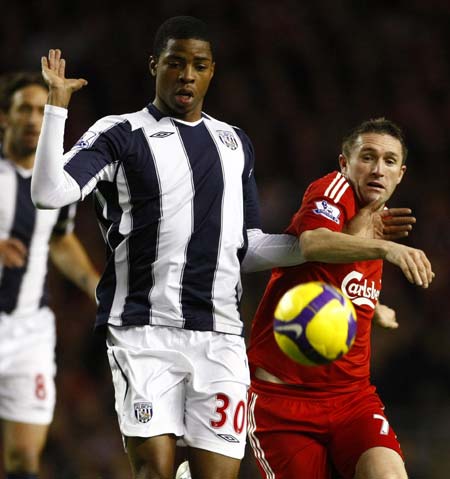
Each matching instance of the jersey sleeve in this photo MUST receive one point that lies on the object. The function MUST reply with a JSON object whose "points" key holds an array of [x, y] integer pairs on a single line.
{"points": [[61, 179], [97, 153], [65, 222], [252, 215], [327, 203]]}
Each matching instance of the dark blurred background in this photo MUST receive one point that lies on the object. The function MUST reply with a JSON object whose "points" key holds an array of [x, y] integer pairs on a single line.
{"points": [[295, 76]]}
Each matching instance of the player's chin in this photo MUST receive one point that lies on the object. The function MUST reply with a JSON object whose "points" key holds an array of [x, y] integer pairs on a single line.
{"points": [[372, 196]]}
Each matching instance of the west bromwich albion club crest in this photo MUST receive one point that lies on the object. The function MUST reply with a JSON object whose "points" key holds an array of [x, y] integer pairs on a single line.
{"points": [[228, 139], [143, 411]]}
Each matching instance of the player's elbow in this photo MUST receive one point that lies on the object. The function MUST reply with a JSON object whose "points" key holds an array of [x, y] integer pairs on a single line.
{"points": [[43, 200], [310, 244]]}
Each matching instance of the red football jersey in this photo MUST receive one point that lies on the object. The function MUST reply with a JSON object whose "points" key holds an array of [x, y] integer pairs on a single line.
{"points": [[330, 203]]}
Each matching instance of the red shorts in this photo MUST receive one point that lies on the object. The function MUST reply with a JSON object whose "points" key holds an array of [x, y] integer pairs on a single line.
{"points": [[299, 436]]}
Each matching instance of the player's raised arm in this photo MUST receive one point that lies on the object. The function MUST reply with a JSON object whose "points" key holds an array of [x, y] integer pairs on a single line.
{"points": [[60, 87], [51, 186]]}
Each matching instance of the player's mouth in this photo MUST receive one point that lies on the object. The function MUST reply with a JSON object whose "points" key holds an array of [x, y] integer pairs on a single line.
{"points": [[184, 96], [30, 134], [376, 185]]}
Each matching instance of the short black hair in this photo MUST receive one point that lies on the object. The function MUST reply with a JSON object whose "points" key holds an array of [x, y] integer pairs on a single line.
{"points": [[11, 82], [181, 27], [381, 126]]}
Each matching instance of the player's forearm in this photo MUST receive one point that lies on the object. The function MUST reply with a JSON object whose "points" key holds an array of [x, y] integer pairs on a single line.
{"points": [[267, 251], [328, 246], [71, 259], [51, 186]]}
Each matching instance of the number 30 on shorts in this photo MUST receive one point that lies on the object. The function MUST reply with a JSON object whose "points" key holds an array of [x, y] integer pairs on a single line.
{"points": [[225, 413]]}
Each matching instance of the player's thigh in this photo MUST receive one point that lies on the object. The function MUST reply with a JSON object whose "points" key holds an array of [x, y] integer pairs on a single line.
{"points": [[152, 457], [284, 435], [362, 425], [216, 396], [380, 462], [210, 465], [290, 455]]}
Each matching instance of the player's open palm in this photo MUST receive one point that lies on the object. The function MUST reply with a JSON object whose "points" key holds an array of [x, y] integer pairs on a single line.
{"points": [[413, 262], [54, 73]]}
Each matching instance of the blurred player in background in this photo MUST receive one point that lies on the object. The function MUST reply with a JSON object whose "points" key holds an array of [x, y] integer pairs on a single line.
{"points": [[311, 422], [27, 237]]}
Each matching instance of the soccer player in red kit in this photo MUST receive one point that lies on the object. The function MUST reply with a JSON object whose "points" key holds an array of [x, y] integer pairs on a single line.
{"points": [[327, 421]]}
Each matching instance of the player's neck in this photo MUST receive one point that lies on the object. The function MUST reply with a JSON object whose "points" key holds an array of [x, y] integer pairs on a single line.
{"points": [[20, 158]]}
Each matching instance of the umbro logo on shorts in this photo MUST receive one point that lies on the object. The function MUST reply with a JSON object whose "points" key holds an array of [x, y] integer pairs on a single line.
{"points": [[143, 411], [228, 437], [161, 134]]}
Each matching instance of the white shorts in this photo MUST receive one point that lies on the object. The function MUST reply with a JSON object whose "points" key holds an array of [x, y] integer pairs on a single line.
{"points": [[27, 367], [192, 384]]}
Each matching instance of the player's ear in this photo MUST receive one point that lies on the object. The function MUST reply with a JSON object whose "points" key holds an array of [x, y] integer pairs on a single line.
{"points": [[402, 172], [343, 163], [152, 64]]}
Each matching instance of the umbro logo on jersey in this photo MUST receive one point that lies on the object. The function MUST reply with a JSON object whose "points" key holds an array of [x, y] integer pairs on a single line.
{"points": [[228, 437], [161, 134]]}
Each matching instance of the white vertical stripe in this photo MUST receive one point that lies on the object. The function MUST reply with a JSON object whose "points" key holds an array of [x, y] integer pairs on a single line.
{"points": [[123, 191], [330, 187], [32, 285], [121, 261], [254, 441], [121, 290], [175, 229], [227, 274], [8, 198]]}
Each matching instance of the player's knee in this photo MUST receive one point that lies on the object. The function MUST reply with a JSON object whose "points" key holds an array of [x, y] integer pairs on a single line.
{"points": [[22, 458]]}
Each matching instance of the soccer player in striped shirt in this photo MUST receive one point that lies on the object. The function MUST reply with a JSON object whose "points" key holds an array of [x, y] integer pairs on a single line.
{"points": [[27, 237], [177, 204], [312, 422]]}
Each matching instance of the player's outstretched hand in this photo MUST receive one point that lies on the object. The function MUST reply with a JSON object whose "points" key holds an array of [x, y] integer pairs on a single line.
{"points": [[12, 253], [374, 222], [60, 87], [413, 262]]}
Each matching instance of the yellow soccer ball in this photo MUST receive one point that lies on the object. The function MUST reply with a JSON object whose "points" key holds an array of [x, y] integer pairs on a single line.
{"points": [[314, 323]]}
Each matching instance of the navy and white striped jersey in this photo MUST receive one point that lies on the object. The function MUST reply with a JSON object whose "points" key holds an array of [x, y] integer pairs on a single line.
{"points": [[174, 200], [24, 290]]}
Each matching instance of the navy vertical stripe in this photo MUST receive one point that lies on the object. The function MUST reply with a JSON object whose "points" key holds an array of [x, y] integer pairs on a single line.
{"points": [[22, 229], [146, 217], [203, 248], [107, 285]]}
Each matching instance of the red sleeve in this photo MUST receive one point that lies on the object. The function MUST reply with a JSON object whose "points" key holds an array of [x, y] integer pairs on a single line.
{"points": [[328, 203]]}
